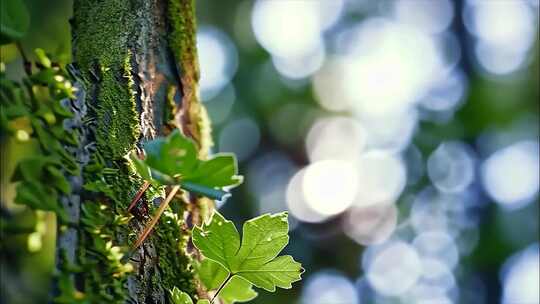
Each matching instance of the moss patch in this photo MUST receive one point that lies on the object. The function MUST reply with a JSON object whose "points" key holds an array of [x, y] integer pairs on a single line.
{"points": [[175, 262], [182, 36], [102, 33]]}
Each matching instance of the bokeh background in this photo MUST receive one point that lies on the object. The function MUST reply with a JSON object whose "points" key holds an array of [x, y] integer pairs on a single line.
{"points": [[401, 136]]}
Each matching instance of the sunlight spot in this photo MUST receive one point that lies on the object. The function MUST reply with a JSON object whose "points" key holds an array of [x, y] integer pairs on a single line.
{"points": [[330, 186]]}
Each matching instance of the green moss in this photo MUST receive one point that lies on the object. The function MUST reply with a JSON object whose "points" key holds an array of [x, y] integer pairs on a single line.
{"points": [[102, 32], [182, 34], [174, 261], [118, 124]]}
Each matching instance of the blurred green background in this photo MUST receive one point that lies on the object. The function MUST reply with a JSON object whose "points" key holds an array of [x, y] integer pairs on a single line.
{"points": [[402, 137]]}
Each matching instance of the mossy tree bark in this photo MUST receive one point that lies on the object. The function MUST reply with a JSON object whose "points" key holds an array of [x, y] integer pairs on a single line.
{"points": [[137, 60]]}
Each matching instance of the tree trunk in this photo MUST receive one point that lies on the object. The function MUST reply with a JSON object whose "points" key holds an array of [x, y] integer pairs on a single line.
{"points": [[139, 74]]}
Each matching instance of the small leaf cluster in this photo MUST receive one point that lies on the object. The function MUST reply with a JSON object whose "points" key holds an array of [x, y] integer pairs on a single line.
{"points": [[173, 160], [33, 113], [100, 262], [97, 221]]}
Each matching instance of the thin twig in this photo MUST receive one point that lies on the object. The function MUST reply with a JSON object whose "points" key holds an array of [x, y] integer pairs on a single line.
{"points": [[154, 221], [138, 196]]}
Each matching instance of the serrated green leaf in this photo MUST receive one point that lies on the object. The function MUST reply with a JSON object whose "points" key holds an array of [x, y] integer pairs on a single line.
{"points": [[280, 272], [255, 259], [237, 289], [263, 239], [14, 20], [217, 240], [180, 297]]}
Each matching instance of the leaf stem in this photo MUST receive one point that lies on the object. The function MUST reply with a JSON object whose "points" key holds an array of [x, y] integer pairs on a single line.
{"points": [[229, 277], [154, 220]]}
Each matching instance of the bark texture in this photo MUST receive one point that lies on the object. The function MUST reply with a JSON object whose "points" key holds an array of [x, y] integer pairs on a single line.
{"points": [[133, 75]]}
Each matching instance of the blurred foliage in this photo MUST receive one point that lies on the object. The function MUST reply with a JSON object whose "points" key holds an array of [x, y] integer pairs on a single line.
{"points": [[32, 111], [15, 21], [31, 121], [36, 112]]}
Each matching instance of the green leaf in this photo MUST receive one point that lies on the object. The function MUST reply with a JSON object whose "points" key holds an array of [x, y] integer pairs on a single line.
{"points": [[59, 180], [173, 155], [30, 168], [14, 20], [152, 149], [204, 190], [280, 272], [237, 290], [217, 240], [173, 160], [212, 274], [42, 58], [36, 196], [255, 259], [140, 167], [263, 239], [41, 169], [180, 297], [220, 171]]}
